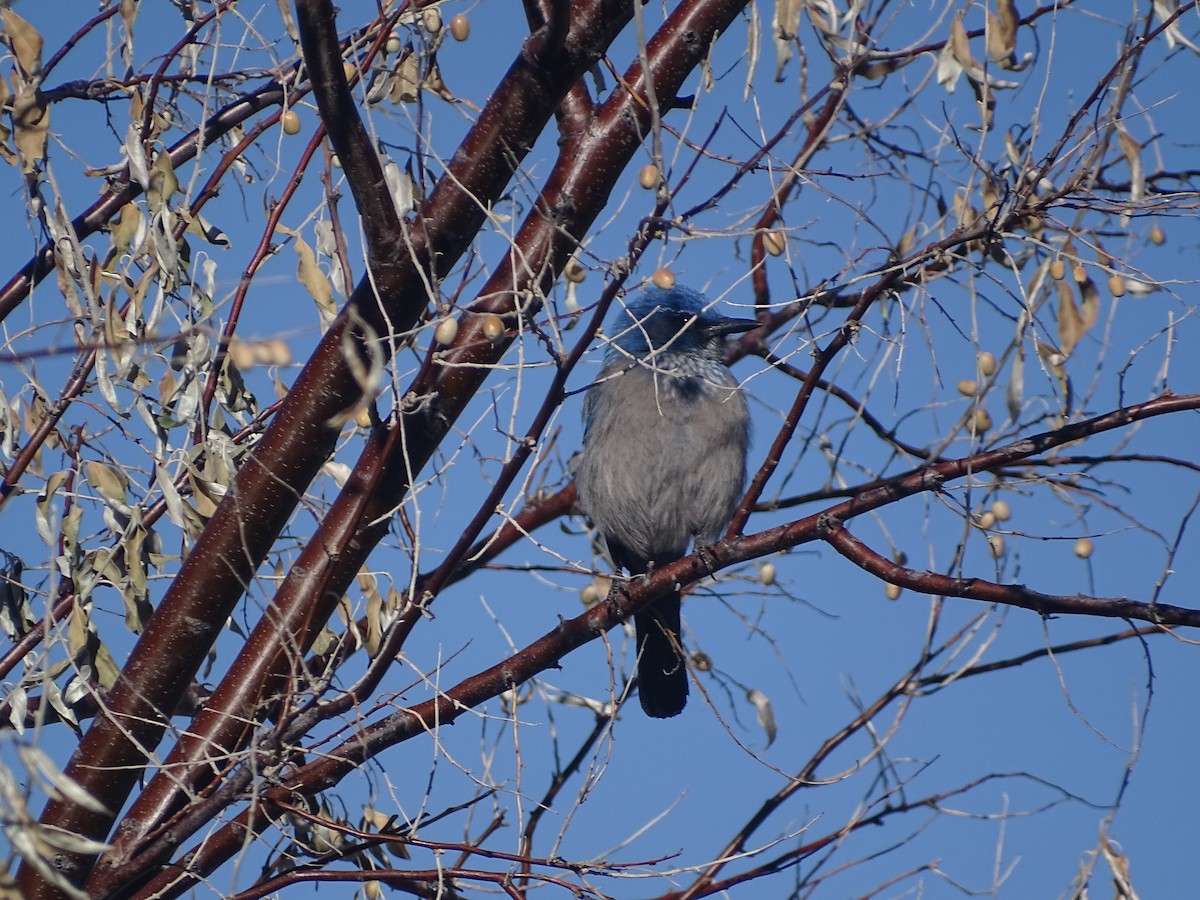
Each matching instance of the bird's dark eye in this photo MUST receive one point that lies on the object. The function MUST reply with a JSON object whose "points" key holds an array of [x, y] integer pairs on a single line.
{"points": [[676, 322]]}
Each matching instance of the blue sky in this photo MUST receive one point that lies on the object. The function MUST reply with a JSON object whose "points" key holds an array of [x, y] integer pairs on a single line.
{"points": [[824, 639]]}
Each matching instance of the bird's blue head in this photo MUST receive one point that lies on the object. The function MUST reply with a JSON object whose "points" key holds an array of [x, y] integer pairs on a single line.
{"points": [[674, 320]]}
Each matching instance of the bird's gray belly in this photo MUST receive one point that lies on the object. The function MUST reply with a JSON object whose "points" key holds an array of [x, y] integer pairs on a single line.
{"points": [[681, 477]]}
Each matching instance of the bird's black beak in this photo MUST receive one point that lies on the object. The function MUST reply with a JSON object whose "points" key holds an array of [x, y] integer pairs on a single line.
{"points": [[730, 326]]}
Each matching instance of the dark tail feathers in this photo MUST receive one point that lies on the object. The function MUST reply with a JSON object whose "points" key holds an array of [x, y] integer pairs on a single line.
{"points": [[662, 672]]}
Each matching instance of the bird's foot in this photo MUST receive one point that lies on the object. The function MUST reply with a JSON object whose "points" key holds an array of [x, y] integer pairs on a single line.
{"points": [[701, 549]]}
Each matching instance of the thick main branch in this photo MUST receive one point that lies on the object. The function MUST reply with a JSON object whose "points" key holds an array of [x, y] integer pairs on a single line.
{"points": [[115, 749]]}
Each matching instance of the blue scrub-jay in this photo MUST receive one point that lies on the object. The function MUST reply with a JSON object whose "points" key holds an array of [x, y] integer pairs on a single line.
{"points": [[664, 459]]}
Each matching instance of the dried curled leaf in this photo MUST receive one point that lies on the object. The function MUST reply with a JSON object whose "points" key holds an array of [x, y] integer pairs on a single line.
{"points": [[10, 426], [373, 639], [289, 22], [1071, 325], [1137, 173], [1118, 862], [765, 714], [25, 40], [881, 67], [31, 119], [128, 232], [9, 155], [405, 83], [199, 225], [956, 60], [436, 86], [315, 282], [1089, 297], [402, 186], [47, 520], [16, 616], [111, 484], [785, 25], [1002, 35], [163, 183], [133, 586], [753, 39], [955, 57], [1164, 10], [129, 11]]}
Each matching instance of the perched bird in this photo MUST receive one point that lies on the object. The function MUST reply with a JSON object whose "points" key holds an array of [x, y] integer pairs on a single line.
{"points": [[664, 458]]}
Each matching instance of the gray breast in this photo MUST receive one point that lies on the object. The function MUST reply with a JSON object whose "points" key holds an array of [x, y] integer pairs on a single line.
{"points": [[664, 459]]}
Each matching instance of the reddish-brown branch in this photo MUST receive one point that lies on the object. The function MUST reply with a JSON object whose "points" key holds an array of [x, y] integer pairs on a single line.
{"points": [[838, 537], [575, 193], [932, 477], [382, 230], [477, 175], [84, 30], [547, 651], [393, 457], [298, 440]]}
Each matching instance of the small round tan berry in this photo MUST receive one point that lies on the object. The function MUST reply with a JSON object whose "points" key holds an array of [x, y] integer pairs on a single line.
{"points": [[987, 519], [1116, 285], [701, 661], [663, 278], [766, 573], [1079, 273], [362, 418], [394, 43], [262, 353], [460, 27], [242, 355], [290, 121], [968, 387], [774, 242], [431, 18], [996, 545], [574, 272], [492, 327], [987, 364], [1084, 548], [273, 353], [1158, 237], [648, 176], [1001, 510], [590, 595], [982, 421], [446, 331], [1058, 270], [892, 591], [281, 353]]}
